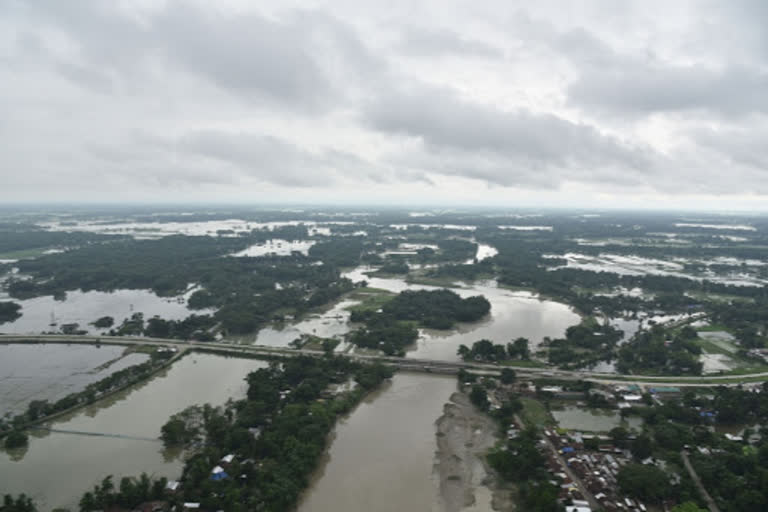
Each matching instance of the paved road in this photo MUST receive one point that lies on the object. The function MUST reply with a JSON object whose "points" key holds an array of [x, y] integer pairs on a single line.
{"points": [[427, 365], [696, 480], [568, 471]]}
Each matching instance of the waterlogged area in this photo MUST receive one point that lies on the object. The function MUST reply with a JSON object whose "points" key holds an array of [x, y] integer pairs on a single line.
{"points": [[381, 456], [151, 230], [331, 323], [277, 247], [52, 371], [639, 266], [57, 468], [46, 314], [593, 420]]}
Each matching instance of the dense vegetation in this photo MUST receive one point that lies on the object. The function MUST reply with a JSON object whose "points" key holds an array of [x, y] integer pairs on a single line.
{"points": [[584, 344], [9, 311], [16, 439], [21, 503], [486, 350], [437, 309], [130, 493], [662, 352]]}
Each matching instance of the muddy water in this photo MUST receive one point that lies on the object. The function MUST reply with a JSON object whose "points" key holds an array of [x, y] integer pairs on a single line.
{"points": [[381, 456], [513, 314], [50, 372], [85, 307], [57, 468]]}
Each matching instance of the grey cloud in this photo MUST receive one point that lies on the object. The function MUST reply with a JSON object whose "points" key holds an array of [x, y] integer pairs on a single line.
{"points": [[274, 160], [643, 88], [639, 81], [429, 42], [293, 61], [507, 148]]}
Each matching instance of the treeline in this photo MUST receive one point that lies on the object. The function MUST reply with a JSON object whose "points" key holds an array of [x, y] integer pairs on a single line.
{"points": [[27, 237], [486, 350], [130, 493], [194, 327]]}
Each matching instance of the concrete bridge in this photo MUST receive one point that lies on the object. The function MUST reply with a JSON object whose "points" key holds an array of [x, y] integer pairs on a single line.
{"points": [[409, 364]]}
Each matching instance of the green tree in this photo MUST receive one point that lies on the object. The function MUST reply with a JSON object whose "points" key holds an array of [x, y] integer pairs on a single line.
{"points": [[643, 481], [16, 439], [22, 503], [688, 506], [508, 376], [479, 397]]}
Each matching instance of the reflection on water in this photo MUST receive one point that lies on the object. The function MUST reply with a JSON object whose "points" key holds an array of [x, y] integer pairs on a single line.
{"points": [[58, 468], [85, 307], [52, 371], [381, 456]]}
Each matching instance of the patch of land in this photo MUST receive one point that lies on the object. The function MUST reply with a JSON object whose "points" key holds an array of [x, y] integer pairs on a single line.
{"points": [[464, 436]]}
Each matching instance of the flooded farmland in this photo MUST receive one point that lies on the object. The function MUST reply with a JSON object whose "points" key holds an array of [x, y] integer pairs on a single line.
{"points": [[57, 468], [44, 314], [50, 371]]}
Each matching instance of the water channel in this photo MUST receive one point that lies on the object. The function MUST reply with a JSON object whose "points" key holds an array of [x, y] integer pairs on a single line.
{"points": [[381, 456], [57, 468]]}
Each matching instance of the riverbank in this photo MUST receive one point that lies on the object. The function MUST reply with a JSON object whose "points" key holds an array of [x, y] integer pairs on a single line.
{"points": [[464, 436]]}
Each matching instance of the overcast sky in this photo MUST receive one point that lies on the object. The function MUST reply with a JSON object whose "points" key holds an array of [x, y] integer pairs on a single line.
{"points": [[594, 103]]}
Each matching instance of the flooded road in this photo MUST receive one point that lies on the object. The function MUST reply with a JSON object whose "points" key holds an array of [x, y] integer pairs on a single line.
{"points": [[57, 468], [381, 456]]}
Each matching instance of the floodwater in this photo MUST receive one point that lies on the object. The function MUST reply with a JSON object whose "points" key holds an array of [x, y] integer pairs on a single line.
{"points": [[382, 455], [332, 323], [513, 314], [638, 266], [277, 247], [85, 307], [593, 420], [51, 371], [485, 251], [150, 230], [57, 468]]}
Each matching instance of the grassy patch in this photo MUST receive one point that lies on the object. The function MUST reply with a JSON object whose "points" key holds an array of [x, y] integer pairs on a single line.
{"points": [[712, 347], [713, 328], [535, 414], [372, 299]]}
